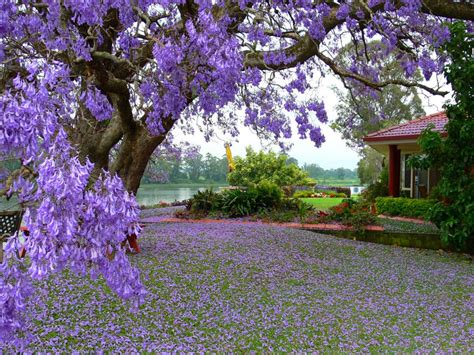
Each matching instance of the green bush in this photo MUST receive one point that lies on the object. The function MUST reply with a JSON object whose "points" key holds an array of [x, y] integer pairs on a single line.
{"points": [[304, 209], [267, 194], [259, 166], [204, 201], [405, 207], [265, 198], [343, 191], [353, 213], [303, 194], [290, 204], [378, 189], [239, 203], [334, 191]]}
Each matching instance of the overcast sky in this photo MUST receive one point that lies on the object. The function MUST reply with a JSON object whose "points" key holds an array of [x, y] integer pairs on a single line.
{"points": [[332, 154]]}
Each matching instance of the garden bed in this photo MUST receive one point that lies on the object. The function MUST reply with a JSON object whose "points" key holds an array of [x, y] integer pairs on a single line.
{"points": [[401, 239]]}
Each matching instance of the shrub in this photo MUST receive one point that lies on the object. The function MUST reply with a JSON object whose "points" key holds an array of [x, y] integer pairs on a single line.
{"points": [[258, 166], [405, 207], [288, 190], [378, 189], [338, 191], [343, 190], [303, 194], [332, 194], [204, 201], [267, 194], [304, 210], [289, 204], [239, 203], [353, 213], [359, 218]]}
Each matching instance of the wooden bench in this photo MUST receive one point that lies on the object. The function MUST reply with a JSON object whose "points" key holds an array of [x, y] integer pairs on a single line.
{"points": [[10, 222]]}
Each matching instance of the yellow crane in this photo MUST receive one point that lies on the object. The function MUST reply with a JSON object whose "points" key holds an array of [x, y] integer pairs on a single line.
{"points": [[230, 160]]}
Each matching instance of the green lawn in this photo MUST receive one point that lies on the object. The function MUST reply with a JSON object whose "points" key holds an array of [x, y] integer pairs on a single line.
{"points": [[322, 203]]}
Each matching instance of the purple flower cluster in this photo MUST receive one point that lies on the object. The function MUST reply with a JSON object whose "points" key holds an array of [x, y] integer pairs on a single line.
{"points": [[97, 104], [71, 223]]}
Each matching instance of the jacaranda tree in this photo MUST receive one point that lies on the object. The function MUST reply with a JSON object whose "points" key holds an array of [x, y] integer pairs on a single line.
{"points": [[89, 89]]}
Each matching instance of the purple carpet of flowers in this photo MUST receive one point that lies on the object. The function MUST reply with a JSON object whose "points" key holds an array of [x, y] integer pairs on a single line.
{"points": [[240, 288]]}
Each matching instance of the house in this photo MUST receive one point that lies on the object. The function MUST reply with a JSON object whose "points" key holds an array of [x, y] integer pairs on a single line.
{"points": [[398, 143]]}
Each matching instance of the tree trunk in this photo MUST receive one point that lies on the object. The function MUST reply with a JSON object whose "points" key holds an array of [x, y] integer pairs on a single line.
{"points": [[134, 153], [97, 140]]}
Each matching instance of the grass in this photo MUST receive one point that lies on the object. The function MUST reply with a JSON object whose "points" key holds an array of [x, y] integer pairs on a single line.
{"points": [[261, 289], [322, 203]]}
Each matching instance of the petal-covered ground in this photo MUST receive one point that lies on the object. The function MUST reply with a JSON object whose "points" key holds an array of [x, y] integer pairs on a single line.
{"points": [[240, 287]]}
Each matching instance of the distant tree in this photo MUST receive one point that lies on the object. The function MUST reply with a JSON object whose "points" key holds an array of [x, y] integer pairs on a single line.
{"points": [[340, 173], [358, 115], [193, 166], [258, 166], [321, 174], [370, 166], [315, 171], [215, 168], [176, 174], [292, 160]]}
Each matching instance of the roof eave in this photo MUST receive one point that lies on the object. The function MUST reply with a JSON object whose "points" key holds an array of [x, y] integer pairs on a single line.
{"points": [[396, 138]]}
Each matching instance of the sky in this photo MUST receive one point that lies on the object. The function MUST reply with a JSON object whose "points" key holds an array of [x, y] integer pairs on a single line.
{"points": [[333, 153]]}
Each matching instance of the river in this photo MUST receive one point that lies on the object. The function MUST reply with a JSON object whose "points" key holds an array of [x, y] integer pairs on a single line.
{"points": [[148, 194], [151, 194]]}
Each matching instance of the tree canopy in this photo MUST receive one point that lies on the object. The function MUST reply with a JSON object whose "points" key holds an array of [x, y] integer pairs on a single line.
{"points": [[359, 115], [89, 89], [270, 167]]}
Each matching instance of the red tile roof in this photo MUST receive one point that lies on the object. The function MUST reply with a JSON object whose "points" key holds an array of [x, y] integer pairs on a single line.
{"points": [[411, 129]]}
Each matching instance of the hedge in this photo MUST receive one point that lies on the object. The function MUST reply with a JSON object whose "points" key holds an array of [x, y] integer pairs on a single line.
{"points": [[338, 189], [405, 207]]}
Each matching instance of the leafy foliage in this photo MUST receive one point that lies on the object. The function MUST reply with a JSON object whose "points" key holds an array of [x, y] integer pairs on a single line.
{"points": [[454, 156], [264, 199], [405, 207], [378, 188], [370, 166], [268, 194], [303, 194], [205, 201], [354, 213], [320, 174], [358, 115], [271, 167], [239, 203]]}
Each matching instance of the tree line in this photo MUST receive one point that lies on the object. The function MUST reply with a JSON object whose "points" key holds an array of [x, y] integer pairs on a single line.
{"points": [[208, 168]]}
